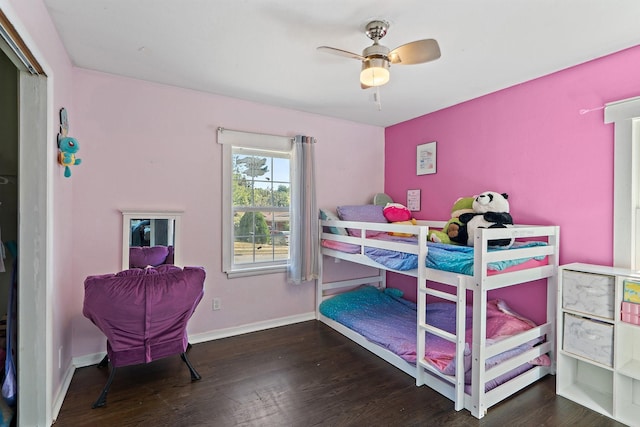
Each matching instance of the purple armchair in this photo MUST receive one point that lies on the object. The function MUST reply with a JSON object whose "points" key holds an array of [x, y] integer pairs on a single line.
{"points": [[144, 314]]}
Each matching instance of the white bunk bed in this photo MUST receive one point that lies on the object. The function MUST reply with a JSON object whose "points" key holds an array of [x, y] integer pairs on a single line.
{"points": [[476, 399]]}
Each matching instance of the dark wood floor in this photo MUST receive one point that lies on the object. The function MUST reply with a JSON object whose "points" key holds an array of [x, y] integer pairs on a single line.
{"points": [[299, 375]]}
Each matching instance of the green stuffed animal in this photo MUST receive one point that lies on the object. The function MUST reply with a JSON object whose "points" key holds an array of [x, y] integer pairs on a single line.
{"points": [[454, 231]]}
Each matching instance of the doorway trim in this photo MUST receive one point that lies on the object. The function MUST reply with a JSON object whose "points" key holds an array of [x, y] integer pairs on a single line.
{"points": [[34, 308], [34, 315]]}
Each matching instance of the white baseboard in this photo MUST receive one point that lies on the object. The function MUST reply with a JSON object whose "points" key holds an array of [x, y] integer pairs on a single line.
{"points": [[88, 359], [93, 359], [251, 327], [62, 391]]}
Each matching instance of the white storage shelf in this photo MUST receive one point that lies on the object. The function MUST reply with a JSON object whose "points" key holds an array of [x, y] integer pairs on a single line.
{"points": [[599, 355], [585, 383], [627, 408], [628, 361]]}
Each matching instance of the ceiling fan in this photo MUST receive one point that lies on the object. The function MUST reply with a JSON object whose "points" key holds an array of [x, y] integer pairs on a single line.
{"points": [[376, 59]]}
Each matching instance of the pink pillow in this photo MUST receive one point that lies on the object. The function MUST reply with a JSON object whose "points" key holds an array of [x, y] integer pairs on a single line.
{"points": [[395, 212]]}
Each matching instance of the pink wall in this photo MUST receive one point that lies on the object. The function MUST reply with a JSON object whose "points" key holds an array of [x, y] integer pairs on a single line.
{"points": [[146, 146], [532, 142]]}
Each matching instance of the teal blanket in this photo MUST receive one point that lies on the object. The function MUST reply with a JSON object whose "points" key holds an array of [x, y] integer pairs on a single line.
{"points": [[454, 258]]}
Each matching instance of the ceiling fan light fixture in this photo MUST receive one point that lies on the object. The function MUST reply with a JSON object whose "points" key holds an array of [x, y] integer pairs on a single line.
{"points": [[376, 59], [375, 72]]}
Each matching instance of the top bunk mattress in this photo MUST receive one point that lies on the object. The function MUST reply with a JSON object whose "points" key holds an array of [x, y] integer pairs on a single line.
{"points": [[440, 256]]}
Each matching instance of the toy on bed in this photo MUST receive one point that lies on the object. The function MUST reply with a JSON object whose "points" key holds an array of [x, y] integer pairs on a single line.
{"points": [[398, 214], [454, 231], [490, 210]]}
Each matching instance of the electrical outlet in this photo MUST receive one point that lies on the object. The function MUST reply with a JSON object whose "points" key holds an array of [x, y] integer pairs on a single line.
{"points": [[217, 304]]}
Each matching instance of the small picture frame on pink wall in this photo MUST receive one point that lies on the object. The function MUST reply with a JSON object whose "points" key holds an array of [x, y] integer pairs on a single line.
{"points": [[413, 200], [426, 157]]}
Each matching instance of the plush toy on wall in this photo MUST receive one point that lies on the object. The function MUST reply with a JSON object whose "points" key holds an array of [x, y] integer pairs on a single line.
{"points": [[67, 146], [490, 210], [398, 214], [454, 231]]}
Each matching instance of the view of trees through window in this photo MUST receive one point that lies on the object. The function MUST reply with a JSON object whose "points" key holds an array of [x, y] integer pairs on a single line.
{"points": [[261, 199]]}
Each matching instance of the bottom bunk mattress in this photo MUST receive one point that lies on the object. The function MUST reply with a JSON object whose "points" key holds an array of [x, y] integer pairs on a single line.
{"points": [[388, 320]]}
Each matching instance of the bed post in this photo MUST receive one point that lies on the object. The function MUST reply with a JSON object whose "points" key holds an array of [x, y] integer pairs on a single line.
{"points": [[480, 250], [319, 280], [422, 304], [461, 333], [552, 296]]}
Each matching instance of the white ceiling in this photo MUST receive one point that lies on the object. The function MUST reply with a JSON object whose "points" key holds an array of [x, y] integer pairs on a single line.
{"points": [[265, 50]]}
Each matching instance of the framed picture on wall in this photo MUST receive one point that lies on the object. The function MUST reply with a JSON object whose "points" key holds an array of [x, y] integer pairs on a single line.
{"points": [[426, 158], [413, 200]]}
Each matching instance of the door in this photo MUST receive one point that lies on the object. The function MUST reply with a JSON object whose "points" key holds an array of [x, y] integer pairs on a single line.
{"points": [[34, 311]]}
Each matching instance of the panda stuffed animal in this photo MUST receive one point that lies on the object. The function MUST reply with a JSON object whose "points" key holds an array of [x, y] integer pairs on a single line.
{"points": [[490, 210]]}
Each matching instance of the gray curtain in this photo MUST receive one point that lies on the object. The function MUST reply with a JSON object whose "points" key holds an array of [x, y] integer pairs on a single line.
{"points": [[303, 242]]}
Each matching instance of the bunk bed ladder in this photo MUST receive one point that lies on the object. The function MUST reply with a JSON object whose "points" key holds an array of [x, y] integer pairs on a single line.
{"points": [[457, 380], [459, 298]]}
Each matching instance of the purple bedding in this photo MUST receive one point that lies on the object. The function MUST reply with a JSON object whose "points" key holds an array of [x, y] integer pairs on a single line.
{"points": [[387, 319], [446, 257], [383, 317]]}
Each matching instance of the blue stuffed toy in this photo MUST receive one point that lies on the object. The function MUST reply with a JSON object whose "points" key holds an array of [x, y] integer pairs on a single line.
{"points": [[67, 145], [68, 148]]}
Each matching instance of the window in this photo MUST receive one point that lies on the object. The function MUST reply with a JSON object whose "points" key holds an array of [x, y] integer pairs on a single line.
{"points": [[257, 180], [261, 197]]}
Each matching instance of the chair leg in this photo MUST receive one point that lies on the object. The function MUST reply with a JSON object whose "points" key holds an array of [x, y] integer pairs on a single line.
{"points": [[194, 374], [102, 399], [104, 362]]}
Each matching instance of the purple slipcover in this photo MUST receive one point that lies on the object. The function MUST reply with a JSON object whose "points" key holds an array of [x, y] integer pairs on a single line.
{"points": [[144, 312], [143, 256], [169, 259]]}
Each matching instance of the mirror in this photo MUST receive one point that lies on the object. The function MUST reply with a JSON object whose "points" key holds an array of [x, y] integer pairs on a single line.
{"points": [[150, 238]]}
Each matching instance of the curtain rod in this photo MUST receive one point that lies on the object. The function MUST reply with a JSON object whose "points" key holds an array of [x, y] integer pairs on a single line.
{"points": [[222, 130]]}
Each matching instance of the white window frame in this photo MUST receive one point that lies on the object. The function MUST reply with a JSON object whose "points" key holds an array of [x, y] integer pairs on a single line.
{"points": [[625, 115], [230, 139]]}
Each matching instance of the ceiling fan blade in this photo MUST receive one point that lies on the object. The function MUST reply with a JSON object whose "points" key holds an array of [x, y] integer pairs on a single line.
{"points": [[340, 52], [416, 52]]}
